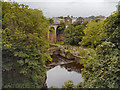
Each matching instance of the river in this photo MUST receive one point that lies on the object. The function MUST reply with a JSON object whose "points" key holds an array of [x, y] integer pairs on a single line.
{"points": [[62, 70]]}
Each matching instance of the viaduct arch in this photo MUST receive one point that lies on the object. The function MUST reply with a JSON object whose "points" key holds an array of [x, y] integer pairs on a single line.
{"points": [[53, 34]]}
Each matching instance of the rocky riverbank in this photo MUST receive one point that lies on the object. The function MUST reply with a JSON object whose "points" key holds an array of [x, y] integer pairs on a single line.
{"points": [[67, 51]]}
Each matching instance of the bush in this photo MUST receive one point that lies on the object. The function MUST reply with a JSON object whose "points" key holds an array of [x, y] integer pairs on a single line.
{"points": [[103, 72], [24, 48], [69, 84], [94, 34]]}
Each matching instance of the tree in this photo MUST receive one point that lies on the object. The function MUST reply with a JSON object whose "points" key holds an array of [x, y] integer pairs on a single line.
{"points": [[92, 17], [69, 84], [60, 29], [102, 71], [94, 34], [73, 34], [112, 26], [61, 26], [24, 48], [51, 21], [102, 68], [61, 17]]}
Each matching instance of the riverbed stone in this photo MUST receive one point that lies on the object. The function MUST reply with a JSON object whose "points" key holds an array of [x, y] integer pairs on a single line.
{"points": [[67, 52]]}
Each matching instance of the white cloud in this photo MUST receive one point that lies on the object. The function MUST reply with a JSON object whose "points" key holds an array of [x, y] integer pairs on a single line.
{"points": [[64, 0], [112, 0], [41, 0], [56, 0]]}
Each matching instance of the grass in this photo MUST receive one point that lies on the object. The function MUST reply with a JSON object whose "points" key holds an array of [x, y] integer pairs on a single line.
{"points": [[58, 43]]}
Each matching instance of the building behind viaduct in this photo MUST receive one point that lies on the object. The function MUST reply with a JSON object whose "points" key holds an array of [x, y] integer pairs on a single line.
{"points": [[54, 35]]}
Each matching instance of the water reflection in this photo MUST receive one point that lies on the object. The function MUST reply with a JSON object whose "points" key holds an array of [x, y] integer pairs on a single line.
{"points": [[62, 71], [72, 67]]}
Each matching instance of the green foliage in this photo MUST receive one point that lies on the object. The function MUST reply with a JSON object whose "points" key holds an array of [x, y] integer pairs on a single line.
{"points": [[73, 34], [53, 87], [24, 47], [60, 43], [103, 71], [61, 17], [51, 30], [94, 34], [51, 21], [87, 56], [112, 25], [85, 23], [92, 17], [68, 54], [69, 84], [79, 85], [97, 20], [61, 28]]}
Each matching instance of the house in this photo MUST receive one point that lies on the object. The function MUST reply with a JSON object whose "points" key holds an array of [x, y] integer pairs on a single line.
{"points": [[68, 20], [80, 20], [56, 20], [100, 17]]}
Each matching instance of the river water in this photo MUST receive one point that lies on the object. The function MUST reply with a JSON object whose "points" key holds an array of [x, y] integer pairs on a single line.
{"points": [[62, 70]]}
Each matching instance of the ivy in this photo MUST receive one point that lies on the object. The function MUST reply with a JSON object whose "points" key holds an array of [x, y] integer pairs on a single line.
{"points": [[24, 46]]}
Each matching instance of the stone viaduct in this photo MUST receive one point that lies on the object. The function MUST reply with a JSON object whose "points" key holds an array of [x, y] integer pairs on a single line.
{"points": [[53, 35]]}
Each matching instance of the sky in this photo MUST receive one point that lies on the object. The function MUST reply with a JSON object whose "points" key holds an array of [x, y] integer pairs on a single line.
{"points": [[77, 8], [65, 0]]}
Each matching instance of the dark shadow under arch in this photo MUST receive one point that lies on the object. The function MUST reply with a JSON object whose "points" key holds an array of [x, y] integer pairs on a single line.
{"points": [[59, 34]]}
